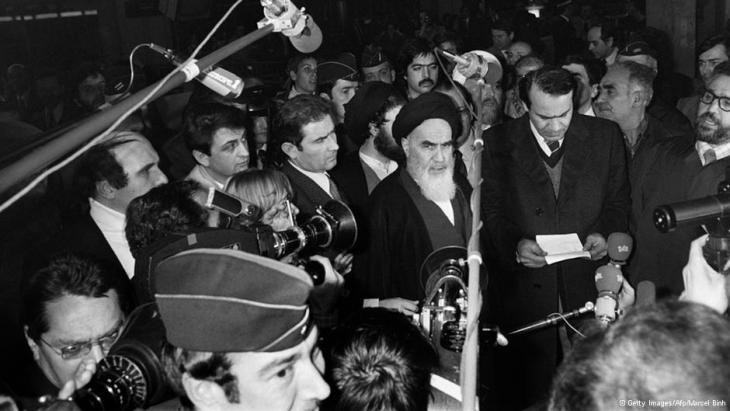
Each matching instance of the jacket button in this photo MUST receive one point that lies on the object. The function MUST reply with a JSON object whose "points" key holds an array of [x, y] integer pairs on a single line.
{"points": [[539, 211]]}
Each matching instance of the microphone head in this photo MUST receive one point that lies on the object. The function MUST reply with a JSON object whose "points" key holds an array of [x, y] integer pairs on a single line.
{"points": [[493, 69], [608, 280], [645, 293], [619, 246]]}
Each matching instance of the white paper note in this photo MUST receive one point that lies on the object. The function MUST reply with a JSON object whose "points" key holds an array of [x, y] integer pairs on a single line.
{"points": [[561, 247]]}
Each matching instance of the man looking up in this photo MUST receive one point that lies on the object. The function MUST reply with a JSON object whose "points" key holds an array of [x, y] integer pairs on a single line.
{"points": [[417, 209], [549, 172], [418, 64], [216, 135], [207, 299]]}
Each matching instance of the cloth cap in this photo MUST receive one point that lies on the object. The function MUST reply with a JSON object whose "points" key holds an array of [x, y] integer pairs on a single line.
{"points": [[219, 300], [638, 48], [373, 56], [343, 67], [428, 105], [366, 102]]}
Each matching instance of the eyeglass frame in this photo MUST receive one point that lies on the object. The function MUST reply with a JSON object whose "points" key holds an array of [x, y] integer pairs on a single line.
{"points": [[86, 346], [718, 98]]}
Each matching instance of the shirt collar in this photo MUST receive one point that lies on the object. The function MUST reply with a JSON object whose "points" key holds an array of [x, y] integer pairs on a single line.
{"points": [[321, 179], [105, 217], [541, 140], [721, 150]]}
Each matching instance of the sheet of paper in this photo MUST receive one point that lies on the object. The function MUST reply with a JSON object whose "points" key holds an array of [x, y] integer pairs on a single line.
{"points": [[561, 247]]}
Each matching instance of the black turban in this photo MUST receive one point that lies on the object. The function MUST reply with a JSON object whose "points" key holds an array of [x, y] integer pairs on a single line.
{"points": [[428, 105], [363, 106]]}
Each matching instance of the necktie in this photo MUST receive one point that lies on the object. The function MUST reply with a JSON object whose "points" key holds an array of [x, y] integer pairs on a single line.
{"points": [[334, 192], [553, 145], [709, 156]]}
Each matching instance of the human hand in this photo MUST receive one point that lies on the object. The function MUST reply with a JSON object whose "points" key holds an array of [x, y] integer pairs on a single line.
{"points": [[403, 306], [702, 284], [627, 295], [332, 277], [530, 254], [596, 245], [81, 377], [343, 262]]}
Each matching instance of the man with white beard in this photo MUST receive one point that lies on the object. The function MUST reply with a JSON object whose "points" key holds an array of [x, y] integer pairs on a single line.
{"points": [[417, 209]]}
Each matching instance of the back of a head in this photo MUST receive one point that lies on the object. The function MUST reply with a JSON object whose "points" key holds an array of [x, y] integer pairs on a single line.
{"points": [[380, 361], [595, 68], [671, 350]]}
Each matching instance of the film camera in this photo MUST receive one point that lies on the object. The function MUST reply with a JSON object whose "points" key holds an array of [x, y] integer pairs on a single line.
{"points": [[712, 211]]}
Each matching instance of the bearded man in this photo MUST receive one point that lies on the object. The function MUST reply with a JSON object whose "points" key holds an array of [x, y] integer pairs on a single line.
{"points": [[417, 209]]}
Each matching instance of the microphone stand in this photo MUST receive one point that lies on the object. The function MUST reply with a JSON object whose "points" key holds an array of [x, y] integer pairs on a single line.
{"points": [[470, 355]]}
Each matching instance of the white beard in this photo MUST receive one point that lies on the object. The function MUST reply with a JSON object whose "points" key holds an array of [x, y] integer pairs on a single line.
{"points": [[440, 187]]}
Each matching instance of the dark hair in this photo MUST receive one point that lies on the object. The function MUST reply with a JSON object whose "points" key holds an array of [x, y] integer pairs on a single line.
{"points": [[65, 275], [552, 80], [394, 99], [447, 36], [713, 41], [672, 347], [292, 65], [610, 30], [722, 69], [204, 120], [296, 113], [380, 361], [504, 25], [215, 367], [99, 164], [81, 72], [164, 210], [595, 68], [411, 49]]}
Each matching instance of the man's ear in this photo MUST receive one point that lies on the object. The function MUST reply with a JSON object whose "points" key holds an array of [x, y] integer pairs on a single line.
{"points": [[404, 145], [105, 190], [203, 394], [31, 344], [290, 150], [293, 75], [202, 158]]}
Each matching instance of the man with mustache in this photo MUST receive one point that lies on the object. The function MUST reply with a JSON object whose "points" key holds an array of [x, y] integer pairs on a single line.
{"points": [[552, 171], [419, 68], [417, 209], [681, 172], [216, 135]]}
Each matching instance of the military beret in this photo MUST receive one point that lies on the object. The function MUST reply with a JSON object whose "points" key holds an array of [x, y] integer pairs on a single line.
{"points": [[220, 300], [638, 48], [343, 67], [428, 105], [366, 102]]}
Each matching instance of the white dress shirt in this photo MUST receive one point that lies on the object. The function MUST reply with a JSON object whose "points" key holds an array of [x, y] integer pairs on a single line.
{"points": [[112, 223]]}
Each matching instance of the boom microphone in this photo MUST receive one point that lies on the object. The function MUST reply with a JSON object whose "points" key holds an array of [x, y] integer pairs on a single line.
{"points": [[645, 293], [215, 78], [552, 320], [608, 283], [304, 34]]}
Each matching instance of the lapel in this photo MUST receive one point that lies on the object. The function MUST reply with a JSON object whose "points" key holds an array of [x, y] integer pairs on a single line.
{"points": [[305, 186], [524, 154], [577, 151]]}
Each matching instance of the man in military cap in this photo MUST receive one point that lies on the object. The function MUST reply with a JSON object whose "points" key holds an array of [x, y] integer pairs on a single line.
{"points": [[239, 332], [338, 81], [417, 209], [376, 66]]}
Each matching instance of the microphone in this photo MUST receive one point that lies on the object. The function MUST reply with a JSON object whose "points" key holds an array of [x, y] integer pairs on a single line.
{"points": [[552, 320], [231, 205], [304, 34], [215, 78], [608, 283], [620, 246], [474, 64], [645, 293]]}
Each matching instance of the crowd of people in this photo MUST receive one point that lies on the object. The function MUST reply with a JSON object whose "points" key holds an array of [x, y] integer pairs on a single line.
{"points": [[584, 130]]}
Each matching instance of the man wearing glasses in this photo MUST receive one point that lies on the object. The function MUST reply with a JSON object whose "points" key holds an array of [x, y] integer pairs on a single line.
{"points": [[683, 172], [73, 312]]}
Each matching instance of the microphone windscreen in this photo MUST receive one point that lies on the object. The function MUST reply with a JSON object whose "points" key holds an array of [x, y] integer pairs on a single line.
{"points": [[645, 293], [608, 279], [310, 39], [619, 246]]}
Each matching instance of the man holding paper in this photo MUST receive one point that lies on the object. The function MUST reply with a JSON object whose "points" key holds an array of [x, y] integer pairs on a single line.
{"points": [[548, 173]]}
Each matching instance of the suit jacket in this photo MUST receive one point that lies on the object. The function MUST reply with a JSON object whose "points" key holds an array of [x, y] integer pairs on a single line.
{"points": [[307, 194], [518, 201], [676, 175]]}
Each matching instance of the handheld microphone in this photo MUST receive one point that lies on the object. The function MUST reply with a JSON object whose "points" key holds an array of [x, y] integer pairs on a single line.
{"points": [[608, 283], [645, 293], [620, 246], [552, 320], [215, 78]]}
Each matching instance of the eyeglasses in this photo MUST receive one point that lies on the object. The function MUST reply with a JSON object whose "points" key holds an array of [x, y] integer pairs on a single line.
{"points": [[78, 350], [722, 102]]}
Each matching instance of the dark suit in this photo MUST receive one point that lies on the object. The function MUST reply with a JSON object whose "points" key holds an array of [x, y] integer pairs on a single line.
{"points": [[307, 194], [518, 201]]}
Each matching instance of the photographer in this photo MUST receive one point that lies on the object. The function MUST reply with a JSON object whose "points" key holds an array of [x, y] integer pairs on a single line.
{"points": [[73, 312]]}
